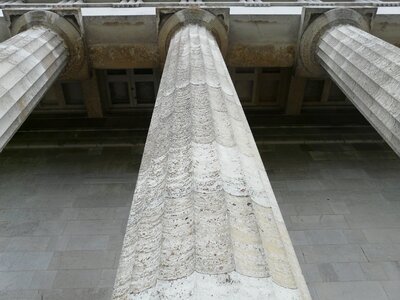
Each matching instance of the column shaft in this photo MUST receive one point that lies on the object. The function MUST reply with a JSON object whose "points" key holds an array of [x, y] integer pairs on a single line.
{"points": [[29, 64], [204, 221], [367, 69]]}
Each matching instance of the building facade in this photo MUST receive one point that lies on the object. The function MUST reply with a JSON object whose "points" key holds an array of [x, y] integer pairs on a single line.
{"points": [[204, 221]]}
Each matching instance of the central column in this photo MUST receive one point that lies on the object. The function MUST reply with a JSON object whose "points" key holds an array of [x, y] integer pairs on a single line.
{"points": [[204, 221]]}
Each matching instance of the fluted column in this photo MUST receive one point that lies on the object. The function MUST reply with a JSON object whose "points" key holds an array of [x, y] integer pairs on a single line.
{"points": [[29, 63], [204, 222], [367, 69]]}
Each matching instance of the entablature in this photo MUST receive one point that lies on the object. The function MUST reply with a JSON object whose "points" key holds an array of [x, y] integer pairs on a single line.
{"points": [[120, 35]]}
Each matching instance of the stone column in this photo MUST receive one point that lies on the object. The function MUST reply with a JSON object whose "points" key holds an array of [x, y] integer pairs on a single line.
{"points": [[204, 222], [43, 45], [29, 64], [366, 68]]}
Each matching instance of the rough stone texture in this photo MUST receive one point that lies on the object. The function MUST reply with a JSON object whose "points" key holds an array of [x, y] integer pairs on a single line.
{"points": [[204, 219], [367, 69], [29, 64]]}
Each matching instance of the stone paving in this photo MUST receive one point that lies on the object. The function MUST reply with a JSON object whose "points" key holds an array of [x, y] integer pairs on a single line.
{"points": [[62, 219], [63, 214], [341, 204]]}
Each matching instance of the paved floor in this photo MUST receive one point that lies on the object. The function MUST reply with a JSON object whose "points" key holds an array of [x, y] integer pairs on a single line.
{"points": [[63, 214], [341, 203], [62, 218]]}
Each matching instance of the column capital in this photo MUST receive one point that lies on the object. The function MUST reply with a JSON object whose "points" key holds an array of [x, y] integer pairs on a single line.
{"points": [[308, 60], [192, 16], [69, 32]]}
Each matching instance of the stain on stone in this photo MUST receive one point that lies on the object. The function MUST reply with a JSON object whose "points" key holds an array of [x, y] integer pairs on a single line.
{"points": [[254, 55], [124, 56]]}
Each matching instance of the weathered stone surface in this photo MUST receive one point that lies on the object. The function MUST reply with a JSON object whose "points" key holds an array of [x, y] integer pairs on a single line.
{"points": [[367, 69], [29, 64], [204, 220]]}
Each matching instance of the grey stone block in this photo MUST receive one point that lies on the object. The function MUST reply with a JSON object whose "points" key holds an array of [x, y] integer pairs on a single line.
{"points": [[317, 222], [74, 279], [299, 254], [46, 228], [392, 289], [354, 185], [88, 242], [350, 290], [339, 207], [344, 173], [58, 243], [298, 238], [96, 213], [15, 280], [354, 236], [311, 273], [20, 295], [382, 252], [304, 185], [18, 261], [108, 278], [314, 208], [115, 242], [333, 253], [348, 271], [4, 242], [370, 207], [75, 294], [374, 271], [43, 280], [288, 209], [384, 235], [392, 269], [94, 227], [373, 221], [83, 260], [12, 229], [327, 272], [391, 194], [29, 243], [325, 237]]}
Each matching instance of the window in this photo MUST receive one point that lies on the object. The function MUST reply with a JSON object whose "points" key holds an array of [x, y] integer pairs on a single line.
{"points": [[266, 87], [131, 88], [63, 96], [73, 94], [313, 90]]}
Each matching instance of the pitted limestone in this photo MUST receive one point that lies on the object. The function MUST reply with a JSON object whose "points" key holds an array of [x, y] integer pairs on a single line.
{"points": [[203, 208]]}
